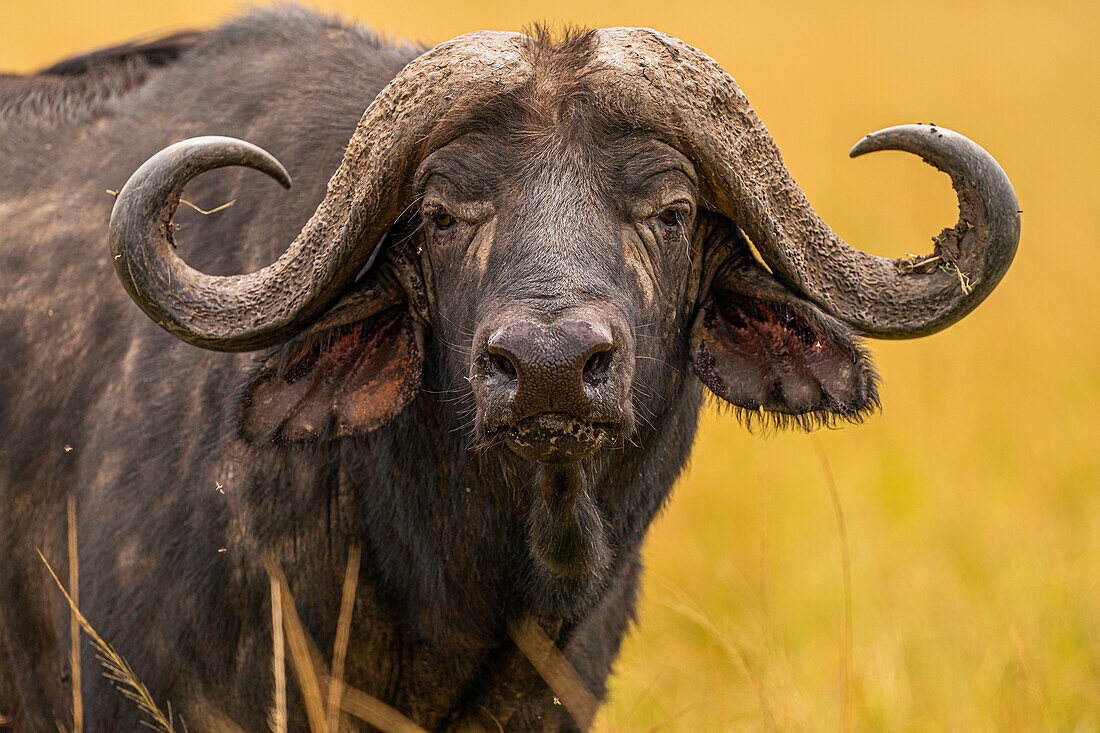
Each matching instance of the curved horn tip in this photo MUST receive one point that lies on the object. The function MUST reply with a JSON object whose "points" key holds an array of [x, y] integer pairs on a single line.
{"points": [[158, 182], [920, 139], [251, 155], [989, 214], [193, 156], [890, 138], [140, 244]]}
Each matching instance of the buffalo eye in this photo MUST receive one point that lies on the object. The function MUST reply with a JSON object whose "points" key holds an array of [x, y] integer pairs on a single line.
{"points": [[443, 221], [675, 216], [437, 217]]}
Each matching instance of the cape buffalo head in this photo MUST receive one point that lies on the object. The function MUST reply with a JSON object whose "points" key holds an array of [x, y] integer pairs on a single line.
{"points": [[565, 223]]}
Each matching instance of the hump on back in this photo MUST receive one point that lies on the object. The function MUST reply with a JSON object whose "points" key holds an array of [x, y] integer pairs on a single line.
{"points": [[79, 87]]}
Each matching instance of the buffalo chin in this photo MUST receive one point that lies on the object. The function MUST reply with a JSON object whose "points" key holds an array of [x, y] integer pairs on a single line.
{"points": [[566, 532]]}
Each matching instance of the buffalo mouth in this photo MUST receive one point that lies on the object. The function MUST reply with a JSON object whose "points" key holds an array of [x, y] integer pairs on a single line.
{"points": [[556, 437]]}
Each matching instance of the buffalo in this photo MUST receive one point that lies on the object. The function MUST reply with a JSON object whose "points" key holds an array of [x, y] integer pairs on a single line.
{"points": [[472, 343]]}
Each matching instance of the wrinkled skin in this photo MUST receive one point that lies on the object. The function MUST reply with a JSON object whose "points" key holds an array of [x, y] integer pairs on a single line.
{"points": [[575, 233], [598, 231], [389, 426]]}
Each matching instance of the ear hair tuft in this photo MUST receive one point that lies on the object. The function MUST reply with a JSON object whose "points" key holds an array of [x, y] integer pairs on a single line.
{"points": [[763, 423]]}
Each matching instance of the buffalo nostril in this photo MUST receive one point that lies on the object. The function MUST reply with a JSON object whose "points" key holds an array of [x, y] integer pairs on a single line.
{"points": [[503, 365], [597, 365], [564, 366]]}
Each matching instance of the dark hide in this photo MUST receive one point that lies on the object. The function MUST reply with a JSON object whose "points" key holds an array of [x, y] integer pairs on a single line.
{"points": [[189, 467]]}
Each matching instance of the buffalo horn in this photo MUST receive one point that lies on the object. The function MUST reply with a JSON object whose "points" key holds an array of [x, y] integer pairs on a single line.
{"points": [[365, 196], [680, 92]]}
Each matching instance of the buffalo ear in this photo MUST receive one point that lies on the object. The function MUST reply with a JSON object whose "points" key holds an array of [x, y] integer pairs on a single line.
{"points": [[351, 373], [776, 356]]}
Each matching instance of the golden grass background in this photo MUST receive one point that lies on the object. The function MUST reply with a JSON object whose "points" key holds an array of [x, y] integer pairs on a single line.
{"points": [[971, 503]]}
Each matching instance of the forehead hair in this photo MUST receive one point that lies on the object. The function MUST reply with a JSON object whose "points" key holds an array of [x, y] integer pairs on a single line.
{"points": [[556, 105], [560, 115]]}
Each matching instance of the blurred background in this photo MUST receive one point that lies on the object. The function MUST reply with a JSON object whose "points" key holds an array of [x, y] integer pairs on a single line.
{"points": [[970, 506]]}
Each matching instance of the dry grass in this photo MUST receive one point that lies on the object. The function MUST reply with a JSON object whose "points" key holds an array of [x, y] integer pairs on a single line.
{"points": [[553, 667], [303, 654], [314, 679], [846, 574], [278, 718], [74, 621], [310, 671], [343, 636], [115, 668]]}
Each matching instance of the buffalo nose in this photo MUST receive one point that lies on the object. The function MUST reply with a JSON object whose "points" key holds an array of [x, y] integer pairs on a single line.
{"points": [[552, 364]]}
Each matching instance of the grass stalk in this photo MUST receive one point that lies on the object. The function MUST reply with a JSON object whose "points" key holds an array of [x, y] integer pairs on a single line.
{"points": [[74, 622], [301, 657], [556, 670], [117, 669], [310, 671], [688, 610], [373, 711], [278, 659], [343, 635], [846, 569]]}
